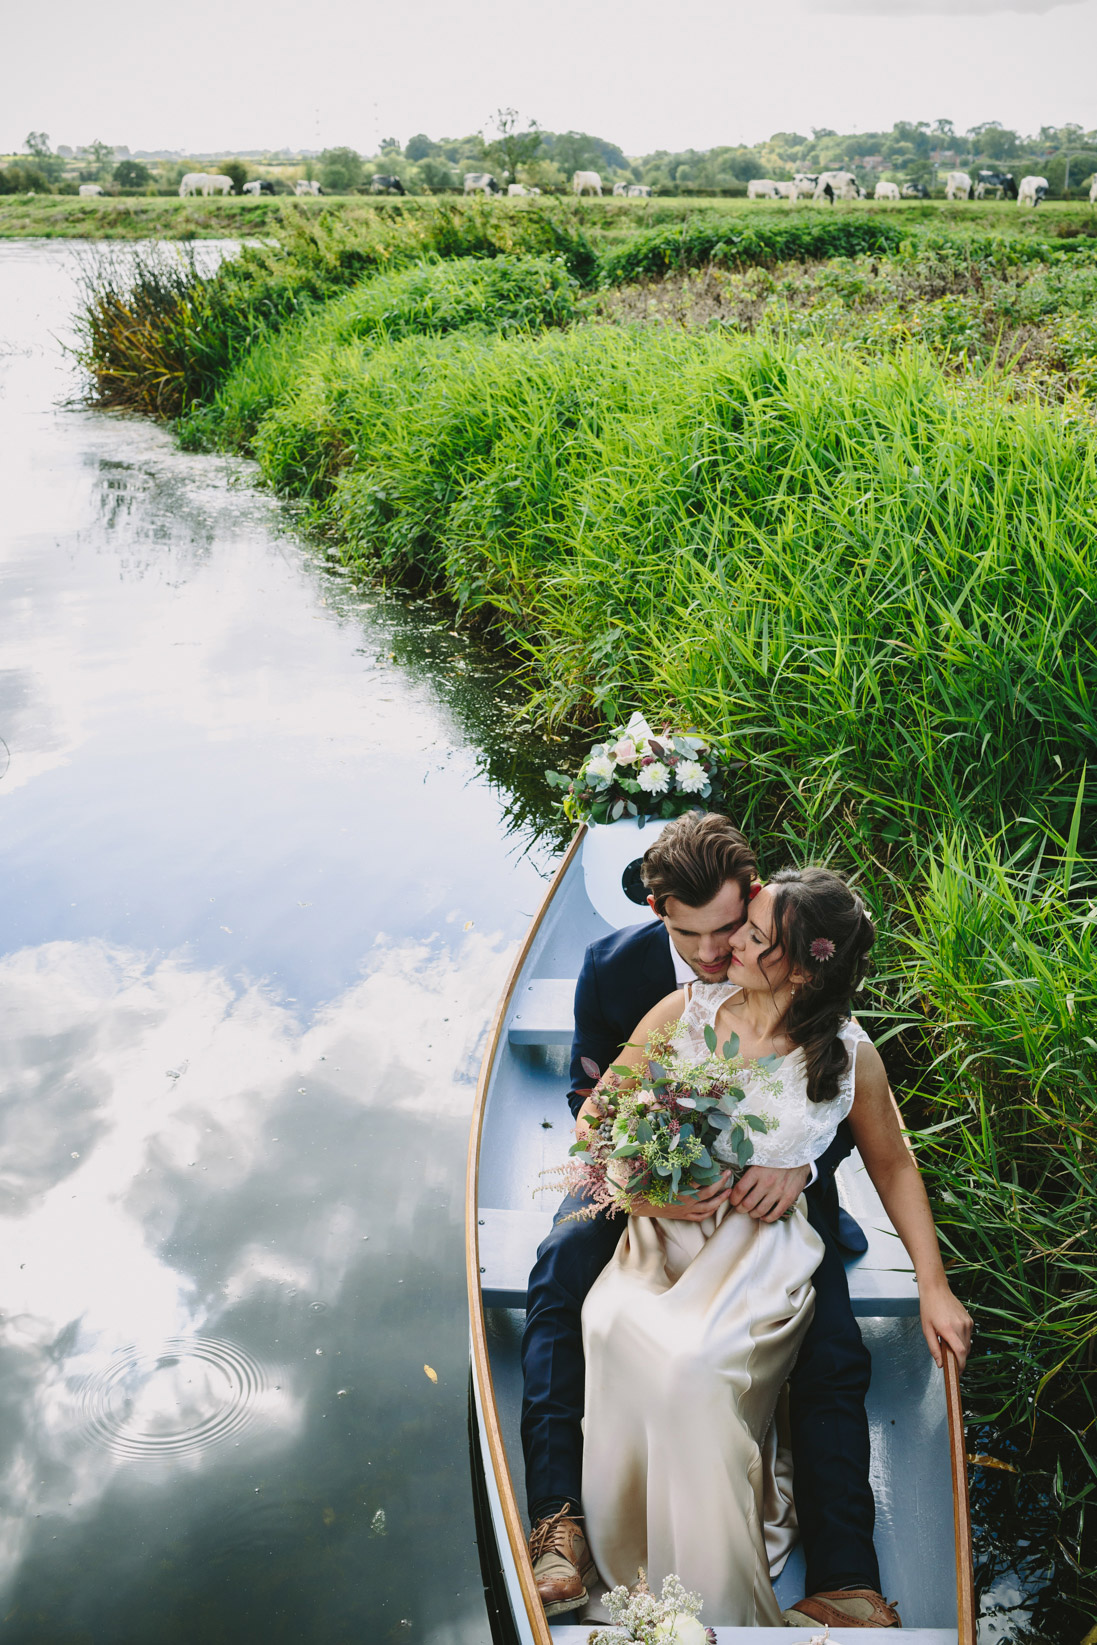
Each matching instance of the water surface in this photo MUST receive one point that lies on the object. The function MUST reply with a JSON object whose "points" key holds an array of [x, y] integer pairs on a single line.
{"points": [[259, 901]]}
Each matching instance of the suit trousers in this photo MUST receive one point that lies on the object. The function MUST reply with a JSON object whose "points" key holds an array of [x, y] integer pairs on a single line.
{"points": [[827, 1388]]}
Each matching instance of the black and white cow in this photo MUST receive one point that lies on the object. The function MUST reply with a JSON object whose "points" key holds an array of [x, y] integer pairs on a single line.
{"points": [[383, 182], [480, 182], [1032, 191], [838, 185], [915, 191], [1003, 184]]}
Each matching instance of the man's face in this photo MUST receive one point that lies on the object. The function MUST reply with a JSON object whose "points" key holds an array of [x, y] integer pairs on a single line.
{"points": [[703, 935]]}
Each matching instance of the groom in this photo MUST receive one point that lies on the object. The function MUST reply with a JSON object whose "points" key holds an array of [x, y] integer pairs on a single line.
{"points": [[699, 875]]}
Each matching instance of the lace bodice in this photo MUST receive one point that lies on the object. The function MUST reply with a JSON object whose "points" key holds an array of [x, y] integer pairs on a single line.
{"points": [[799, 1131]]}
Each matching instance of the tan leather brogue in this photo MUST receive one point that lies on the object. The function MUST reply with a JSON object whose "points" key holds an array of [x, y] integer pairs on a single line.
{"points": [[844, 1608], [562, 1565]]}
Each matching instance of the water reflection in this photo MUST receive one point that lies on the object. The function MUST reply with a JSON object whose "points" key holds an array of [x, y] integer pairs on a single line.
{"points": [[259, 902]]}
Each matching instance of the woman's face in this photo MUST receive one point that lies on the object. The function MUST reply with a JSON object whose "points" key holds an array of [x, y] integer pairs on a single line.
{"points": [[750, 942]]}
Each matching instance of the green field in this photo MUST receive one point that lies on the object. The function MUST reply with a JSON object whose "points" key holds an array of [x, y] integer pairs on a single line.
{"points": [[137, 217], [821, 482]]}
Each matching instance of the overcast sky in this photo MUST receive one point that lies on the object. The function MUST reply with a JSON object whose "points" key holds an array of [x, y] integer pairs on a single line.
{"points": [[268, 73]]}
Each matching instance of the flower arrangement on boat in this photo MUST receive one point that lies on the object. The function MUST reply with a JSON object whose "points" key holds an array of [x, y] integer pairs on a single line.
{"points": [[640, 1618], [660, 1135], [637, 772]]}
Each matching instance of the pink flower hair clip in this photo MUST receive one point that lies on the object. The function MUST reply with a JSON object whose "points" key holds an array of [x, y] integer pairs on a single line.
{"points": [[822, 949]]}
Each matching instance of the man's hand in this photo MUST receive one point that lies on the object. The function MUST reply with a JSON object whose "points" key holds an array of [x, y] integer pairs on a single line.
{"points": [[694, 1208], [766, 1192]]}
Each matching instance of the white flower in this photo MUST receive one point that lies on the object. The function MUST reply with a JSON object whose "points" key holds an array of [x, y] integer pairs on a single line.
{"points": [[600, 768], [682, 1629], [625, 752], [691, 777], [654, 778]]}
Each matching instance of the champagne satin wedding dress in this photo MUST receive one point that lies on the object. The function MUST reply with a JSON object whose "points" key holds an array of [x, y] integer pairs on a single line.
{"points": [[690, 1333]]}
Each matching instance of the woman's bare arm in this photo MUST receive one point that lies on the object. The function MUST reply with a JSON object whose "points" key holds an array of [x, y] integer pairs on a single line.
{"points": [[875, 1123]]}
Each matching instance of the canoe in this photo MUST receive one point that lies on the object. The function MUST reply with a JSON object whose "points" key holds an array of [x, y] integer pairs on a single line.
{"points": [[520, 1128]]}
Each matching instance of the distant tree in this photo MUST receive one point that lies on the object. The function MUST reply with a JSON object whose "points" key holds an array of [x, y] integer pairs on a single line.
{"points": [[389, 145], [238, 173], [822, 131], [132, 174], [47, 165], [434, 174], [100, 157], [993, 141], [341, 170], [508, 147], [24, 179], [580, 151], [420, 147]]}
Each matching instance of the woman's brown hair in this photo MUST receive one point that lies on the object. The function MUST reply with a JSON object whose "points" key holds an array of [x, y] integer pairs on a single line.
{"points": [[826, 934]]}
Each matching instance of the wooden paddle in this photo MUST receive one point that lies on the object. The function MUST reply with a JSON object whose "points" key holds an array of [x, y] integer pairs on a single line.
{"points": [[961, 1512]]}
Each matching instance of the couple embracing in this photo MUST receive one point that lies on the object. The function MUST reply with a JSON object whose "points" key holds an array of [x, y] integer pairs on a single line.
{"points": [[656, 1354]]}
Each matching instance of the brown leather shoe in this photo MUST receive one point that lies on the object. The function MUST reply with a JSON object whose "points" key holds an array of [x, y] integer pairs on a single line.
{"points": [[844, 1608], [562, 1565]]}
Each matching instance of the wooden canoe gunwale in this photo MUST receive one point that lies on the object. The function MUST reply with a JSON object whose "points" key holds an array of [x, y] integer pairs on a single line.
{"points": [[481, 1362]]}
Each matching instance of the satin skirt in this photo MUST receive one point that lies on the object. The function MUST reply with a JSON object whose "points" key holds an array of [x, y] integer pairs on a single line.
{"points": [[690, 1333]]}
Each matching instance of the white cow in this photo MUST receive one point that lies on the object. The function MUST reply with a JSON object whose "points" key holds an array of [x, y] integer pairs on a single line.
{"points": [[254, 187], [620, 188], [837, 185], [787, 191], [217, 183], [480, 182], [639, 191], [804, 183], [583, 180], [193, 183], [886, 191], [762, 188], [958, 186], [1093, 190], [306, 185], [88, 190], [517, 188], [1032, 191]]}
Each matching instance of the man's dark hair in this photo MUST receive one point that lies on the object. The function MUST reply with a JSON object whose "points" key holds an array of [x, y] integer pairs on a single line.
{"points": [[694, 857]]}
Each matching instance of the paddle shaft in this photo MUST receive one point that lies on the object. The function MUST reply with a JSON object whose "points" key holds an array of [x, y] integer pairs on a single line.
{"points": [[961, 1512]]}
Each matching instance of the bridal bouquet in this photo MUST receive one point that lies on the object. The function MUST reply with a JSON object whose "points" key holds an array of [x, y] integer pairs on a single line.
{"points": [[638, 773], [655, 1132], [641, 1618]]}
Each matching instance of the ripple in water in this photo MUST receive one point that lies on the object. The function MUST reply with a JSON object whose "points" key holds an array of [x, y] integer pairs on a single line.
{"points": [[185, 1396]]}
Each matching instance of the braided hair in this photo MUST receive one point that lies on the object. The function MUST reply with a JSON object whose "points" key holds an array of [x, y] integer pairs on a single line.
{"points": [[826, 934]]}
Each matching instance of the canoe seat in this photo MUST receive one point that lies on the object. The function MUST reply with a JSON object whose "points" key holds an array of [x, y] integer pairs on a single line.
{"points": [[881, 1283], [542, 1012]]}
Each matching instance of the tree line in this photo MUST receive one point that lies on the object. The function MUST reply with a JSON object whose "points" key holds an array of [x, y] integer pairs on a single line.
{"points": [[517, 149]]}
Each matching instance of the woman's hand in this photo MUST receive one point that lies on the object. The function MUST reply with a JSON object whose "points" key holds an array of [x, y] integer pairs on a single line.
{"points": [[694, 1208], [768, 1192], [945, 1319], [588, 1119]]}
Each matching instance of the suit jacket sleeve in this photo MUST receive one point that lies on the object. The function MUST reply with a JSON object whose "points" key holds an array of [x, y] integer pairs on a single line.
{"points": [[839, 1149], [596, 1035]]}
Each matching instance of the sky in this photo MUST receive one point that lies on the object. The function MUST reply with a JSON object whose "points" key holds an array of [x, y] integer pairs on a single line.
{"points": [[268, 73]]}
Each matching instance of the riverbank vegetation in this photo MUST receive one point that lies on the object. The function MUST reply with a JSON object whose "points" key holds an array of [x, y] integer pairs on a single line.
{"points": [[824, 484]]}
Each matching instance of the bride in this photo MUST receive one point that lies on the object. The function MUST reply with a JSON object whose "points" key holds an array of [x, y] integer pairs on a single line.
{"points": [[691, 1330]]}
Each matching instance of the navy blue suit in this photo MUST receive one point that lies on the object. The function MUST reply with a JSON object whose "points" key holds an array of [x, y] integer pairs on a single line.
{"points": [[622, 977]]}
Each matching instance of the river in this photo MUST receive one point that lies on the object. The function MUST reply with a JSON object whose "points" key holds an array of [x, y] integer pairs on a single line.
{"points": [[261, 892]]}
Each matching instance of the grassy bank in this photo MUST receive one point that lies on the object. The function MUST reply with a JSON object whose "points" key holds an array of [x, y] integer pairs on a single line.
{"points": [[839, 508], [141, 218]]}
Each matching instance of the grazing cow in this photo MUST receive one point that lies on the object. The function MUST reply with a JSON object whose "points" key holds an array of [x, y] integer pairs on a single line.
{"points": [[958, 186], [480, 182], [886, 191], [787, 191], [90, 189], [217, 183], [583, 180], [518, 189], [1003, 183], [193, 183], [620, 188], [804, 183], [259, 185], [762, 188], [838, 185], [1093, 190], [1032, 191], [915, 191], [639, 191], [306, 185], [384, 183]]}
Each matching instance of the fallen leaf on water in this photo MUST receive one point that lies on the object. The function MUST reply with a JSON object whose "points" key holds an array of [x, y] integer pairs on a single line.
{"points": [[431, 1372], [469, 924], [981, 1461], [328, 1516]]}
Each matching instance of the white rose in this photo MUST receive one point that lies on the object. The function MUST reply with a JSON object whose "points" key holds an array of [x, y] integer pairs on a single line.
{"points": [[682, 1629], [600, 768], [654, 778], [690, 776]]}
